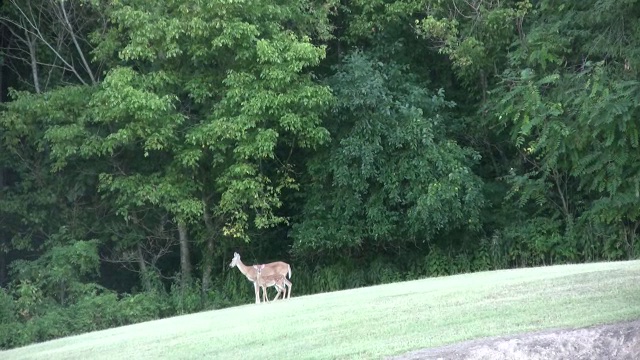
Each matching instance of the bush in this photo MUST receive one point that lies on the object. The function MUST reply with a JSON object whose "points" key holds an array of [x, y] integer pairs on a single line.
{"points": [[187, 298], [438, 263], [7, 308], [9, 335], [90, 313], [481, 257], [96, 313], [144, 307]]}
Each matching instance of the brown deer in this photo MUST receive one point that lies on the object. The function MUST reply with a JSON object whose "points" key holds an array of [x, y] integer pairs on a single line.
{"points": [[279, 281], [271, 269]]}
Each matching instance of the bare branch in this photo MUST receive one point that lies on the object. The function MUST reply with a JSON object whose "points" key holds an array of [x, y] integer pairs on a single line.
{"points": [[32, 27], [75, 42], [154, 243], [31, 43]]}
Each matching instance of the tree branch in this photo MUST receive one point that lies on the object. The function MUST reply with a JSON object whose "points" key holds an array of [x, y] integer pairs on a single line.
{"points": [[75, 42], [33, 28]]}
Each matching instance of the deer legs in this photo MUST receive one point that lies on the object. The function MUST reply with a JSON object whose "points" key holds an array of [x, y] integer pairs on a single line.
{"points": [[265, 281]]}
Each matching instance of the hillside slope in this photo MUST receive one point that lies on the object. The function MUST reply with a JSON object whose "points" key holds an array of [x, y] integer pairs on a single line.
{"points": [[376, 321]]}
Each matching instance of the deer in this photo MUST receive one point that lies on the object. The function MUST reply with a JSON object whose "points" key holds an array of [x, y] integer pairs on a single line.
{"points": [[277, 268], [279, 281]]}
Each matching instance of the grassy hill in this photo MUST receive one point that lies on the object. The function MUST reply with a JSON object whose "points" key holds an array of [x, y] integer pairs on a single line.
{"points": [[374, 322]]}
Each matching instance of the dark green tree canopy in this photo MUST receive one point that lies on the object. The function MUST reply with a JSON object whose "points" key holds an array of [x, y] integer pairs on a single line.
{"points": [[390, 176]]}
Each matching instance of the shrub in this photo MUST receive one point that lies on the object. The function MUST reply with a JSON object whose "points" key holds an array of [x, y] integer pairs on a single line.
{"points": [[438, 263], [187, 298], [7, 308], [144, 307]]}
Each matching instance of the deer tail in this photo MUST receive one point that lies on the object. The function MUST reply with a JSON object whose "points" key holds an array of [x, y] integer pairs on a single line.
{"points": [[289, 266]]}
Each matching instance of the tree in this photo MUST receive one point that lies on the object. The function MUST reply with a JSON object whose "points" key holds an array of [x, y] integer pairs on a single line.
{"points": [[568, 101], [212, 92], [390, 177]]}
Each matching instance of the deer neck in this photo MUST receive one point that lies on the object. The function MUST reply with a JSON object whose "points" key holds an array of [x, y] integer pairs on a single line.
{"points": [[248, 271]]}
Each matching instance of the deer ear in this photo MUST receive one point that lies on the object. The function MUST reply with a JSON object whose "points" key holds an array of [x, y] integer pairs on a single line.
{"points": [[235, 254]]}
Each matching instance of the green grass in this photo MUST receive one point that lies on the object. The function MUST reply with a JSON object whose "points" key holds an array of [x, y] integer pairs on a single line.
{"points": [[376, 321]]}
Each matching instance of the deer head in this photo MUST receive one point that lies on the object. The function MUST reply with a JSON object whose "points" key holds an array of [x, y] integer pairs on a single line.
{"points": [[234, 261], [259, 268]]}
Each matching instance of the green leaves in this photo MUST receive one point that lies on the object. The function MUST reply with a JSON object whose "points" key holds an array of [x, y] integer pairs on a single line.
{"points": [[61, 271], [389, 176], [173, 130], [167, 192], [569, 100], [473, 37]]}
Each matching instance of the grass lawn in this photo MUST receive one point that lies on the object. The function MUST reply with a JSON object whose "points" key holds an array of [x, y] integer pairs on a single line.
{"points": [[373, 322]]}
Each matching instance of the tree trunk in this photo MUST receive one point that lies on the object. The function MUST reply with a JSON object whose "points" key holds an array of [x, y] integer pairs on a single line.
{"points": [[185, 262], [3, 267], [144, 274], [208, 265], [3, 239], [484, 85], [208, 254], [34, 61], [3, 69]]}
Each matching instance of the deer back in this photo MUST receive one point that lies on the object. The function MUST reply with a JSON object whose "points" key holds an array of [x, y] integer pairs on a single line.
{"points": [[276, 268]]}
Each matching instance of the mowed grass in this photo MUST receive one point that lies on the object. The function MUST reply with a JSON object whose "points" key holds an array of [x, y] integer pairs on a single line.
{"points": [[374, 322]]}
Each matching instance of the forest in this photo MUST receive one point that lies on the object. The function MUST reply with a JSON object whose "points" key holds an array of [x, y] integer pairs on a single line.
{"points": [[143, 142]]}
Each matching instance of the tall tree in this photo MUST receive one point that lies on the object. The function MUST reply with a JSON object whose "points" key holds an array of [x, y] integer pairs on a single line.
{"points": [[202, 98], [390, 178], [568, 99]]}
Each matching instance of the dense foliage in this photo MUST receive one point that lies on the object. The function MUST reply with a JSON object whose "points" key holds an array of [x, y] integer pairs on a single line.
{"points": [[143, 142]]}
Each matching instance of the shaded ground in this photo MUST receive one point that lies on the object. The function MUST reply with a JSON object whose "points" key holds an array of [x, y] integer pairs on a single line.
{"points": [[619, 341]]}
